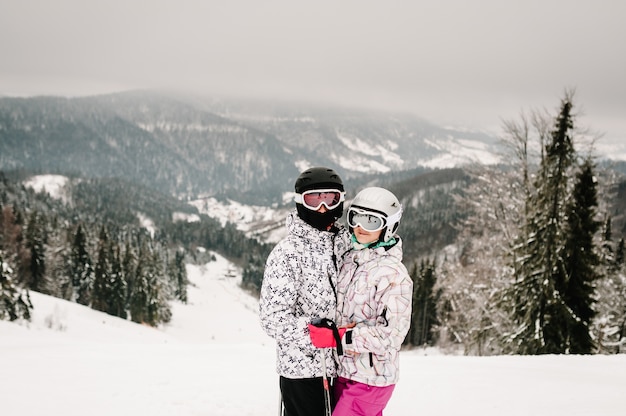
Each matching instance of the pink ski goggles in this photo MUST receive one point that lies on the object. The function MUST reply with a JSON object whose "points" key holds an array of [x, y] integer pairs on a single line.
{"points": [[314, 198]]}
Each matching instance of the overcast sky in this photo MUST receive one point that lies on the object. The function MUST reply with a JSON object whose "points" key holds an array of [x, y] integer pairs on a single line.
{"points": [[469, 62]]}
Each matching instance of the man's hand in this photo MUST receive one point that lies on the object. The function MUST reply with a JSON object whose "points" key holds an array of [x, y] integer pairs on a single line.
{"points": [[323, 336]]}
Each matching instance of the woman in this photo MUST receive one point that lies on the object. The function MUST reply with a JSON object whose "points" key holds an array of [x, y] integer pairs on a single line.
{"points": [[374, 296]]}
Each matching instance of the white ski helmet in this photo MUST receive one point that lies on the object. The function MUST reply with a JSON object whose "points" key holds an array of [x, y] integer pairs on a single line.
{"points": [[382, 202]]}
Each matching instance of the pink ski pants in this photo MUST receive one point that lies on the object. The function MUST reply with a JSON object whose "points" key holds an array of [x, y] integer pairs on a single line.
{"points": [[354, 398]]}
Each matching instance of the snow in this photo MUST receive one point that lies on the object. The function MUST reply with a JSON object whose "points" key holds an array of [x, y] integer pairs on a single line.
{"points": [[181, 216], [458, 152], [361, 154], [146, 223], [233, 211], [52, 184], [357, 163], [213, 359]]}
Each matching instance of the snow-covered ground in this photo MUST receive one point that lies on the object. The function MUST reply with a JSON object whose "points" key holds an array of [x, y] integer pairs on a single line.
{"points": [[213, 359]]}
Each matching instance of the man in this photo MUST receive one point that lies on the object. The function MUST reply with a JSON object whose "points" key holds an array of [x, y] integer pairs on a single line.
{"points": [[299, 287]]}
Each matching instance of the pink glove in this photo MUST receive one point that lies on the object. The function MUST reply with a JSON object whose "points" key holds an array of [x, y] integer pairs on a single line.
{"points": [[323, 337]]}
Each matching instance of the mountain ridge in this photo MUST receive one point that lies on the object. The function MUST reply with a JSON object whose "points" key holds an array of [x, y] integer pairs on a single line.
{"points": [[193, 147]]}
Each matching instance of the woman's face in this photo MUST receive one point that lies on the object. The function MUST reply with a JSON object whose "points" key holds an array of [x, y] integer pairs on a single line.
{"points": [[366, 237]]}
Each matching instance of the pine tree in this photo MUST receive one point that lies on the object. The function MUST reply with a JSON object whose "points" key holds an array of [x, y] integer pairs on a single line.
{"points": [[57, 255], [14, 302], [158, 308], [148, 300], [35, 244], [129, 271], [540, 311], [81, 269], [140, 291], [10, 234], [180, 276], [101, 291], [581, 261], [118, 295], [424, 309], [252, 275], [609, 312]]}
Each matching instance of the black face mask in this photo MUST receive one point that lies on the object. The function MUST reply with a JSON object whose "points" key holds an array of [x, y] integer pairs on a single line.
{"points": [[319, 221]]}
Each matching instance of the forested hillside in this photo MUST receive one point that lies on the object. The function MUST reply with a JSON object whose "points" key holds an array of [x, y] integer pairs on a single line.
{"points": [[115, 246], [160, 143]]}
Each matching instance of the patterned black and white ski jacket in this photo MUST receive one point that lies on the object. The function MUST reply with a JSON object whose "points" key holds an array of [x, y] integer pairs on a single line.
{"points": [[298, 286], [375, 292]]}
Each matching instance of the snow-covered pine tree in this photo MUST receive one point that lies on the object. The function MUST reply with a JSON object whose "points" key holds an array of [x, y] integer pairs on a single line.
{"points": [[129, 271], [540, 312], [101, 291], [35, 245], [57, 257], [424, 309], [11, 237], [81, 267], [14, 301], [140, 291], [118, 295], [178, 272], [148, 300], [609, 324], [158, 306], [582, 260]]}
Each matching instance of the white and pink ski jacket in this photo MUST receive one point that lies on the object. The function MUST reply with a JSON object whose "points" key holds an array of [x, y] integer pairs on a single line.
{"points": [[374, 291]]}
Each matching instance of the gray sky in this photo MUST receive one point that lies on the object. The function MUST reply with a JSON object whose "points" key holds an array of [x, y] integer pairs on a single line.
{"points": [[469, 62]]}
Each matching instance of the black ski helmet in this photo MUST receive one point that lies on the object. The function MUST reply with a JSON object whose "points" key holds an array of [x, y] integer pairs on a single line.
{"points": [[319, 178]]}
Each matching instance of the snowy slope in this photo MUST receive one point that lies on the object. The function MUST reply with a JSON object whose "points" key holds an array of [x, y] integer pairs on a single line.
{"points": [[213, 359]]}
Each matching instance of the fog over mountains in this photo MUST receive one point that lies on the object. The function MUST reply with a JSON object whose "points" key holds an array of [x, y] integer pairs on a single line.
{"points": [[245, 150]]}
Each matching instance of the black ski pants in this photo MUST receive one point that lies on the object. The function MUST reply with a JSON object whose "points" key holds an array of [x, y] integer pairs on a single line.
{"points": [[304, 396]]}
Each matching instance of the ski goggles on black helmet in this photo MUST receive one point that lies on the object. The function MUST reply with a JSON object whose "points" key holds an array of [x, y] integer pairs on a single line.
{"points": [[314, 198], [367, 220]]}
